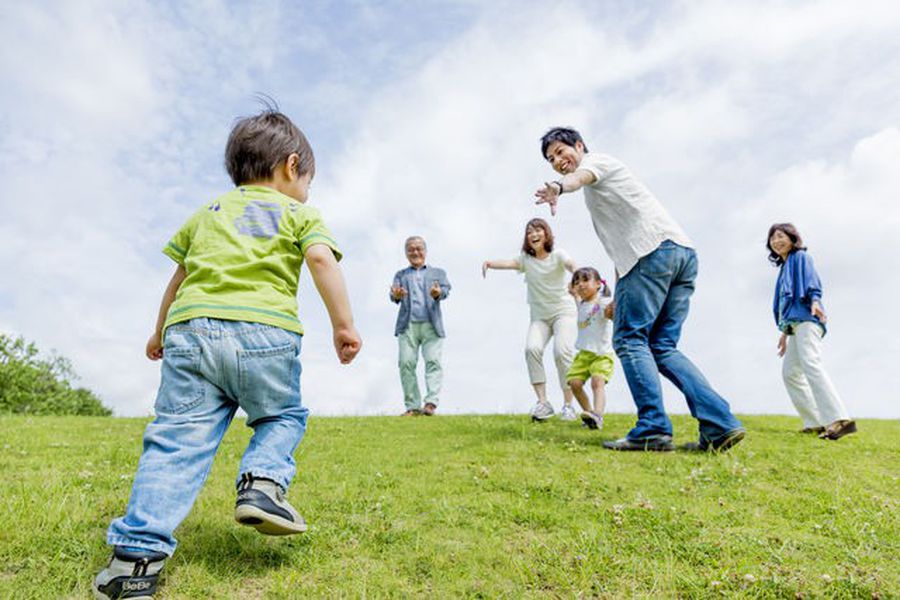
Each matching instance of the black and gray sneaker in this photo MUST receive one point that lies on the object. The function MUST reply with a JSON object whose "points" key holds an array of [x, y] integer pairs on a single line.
{"points": [[131, 575], [261, 505], [592, 420]]}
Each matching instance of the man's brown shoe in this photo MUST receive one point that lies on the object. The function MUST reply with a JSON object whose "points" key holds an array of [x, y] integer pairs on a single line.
{"points": [[429, 409], [816, 430], [839, 429], [412, 412]]}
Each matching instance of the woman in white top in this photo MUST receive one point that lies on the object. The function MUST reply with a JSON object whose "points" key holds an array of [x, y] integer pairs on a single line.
{"points": [[553, 312]]}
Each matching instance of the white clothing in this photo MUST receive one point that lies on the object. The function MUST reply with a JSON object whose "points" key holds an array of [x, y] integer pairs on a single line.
{"points": [[562, 328], [811, 390], [548, 284], [628, 219], [594, 329]]}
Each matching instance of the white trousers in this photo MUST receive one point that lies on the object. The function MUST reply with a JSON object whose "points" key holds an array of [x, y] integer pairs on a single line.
{"points": [[563, 329], [811, 390]]}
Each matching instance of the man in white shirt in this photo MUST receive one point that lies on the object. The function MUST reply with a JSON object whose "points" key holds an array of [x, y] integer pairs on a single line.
{"points": [[655, 268]]}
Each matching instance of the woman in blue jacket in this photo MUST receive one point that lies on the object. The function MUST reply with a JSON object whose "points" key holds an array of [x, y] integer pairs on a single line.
{"points": [[799, 314]]}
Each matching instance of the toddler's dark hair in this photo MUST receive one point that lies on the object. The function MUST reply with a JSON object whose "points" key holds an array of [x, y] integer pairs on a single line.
{"points": [[586, 273], [260, 143], [789, 230], [566, 135]]}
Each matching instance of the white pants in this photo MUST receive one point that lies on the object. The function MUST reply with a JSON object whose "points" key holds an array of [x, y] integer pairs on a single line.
{"points": [[807, 383], [563, 329]]}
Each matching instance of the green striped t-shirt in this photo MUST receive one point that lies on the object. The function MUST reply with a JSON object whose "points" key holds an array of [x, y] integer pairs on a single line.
{"points": [[242, 253]]}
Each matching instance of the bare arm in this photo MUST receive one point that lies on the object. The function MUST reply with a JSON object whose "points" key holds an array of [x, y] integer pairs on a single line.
{"points": [[572, 182], [512, 263], [154, 348], [330, 283]]}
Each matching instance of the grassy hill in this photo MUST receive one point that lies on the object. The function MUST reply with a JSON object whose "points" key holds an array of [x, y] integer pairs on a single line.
{"points": [[477, 507]]}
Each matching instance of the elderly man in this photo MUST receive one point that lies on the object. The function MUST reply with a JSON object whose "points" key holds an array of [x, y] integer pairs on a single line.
{"points": [[419, 290]]}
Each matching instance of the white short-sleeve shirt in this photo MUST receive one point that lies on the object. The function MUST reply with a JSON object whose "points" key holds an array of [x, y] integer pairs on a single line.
{"points": [[594, 329], [628, 219], [548, 285]]}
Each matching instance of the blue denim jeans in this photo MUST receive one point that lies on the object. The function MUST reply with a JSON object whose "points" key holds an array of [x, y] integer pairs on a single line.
{"points": [[210, 368], [652, 302]]}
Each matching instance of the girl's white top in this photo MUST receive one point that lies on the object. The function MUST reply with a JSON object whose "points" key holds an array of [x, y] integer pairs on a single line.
{"points": [[594, 329], [628, 219], [548, 285]]}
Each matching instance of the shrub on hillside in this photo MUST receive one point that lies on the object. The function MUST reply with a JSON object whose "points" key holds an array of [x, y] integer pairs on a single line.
{"points": [[36, 385]]}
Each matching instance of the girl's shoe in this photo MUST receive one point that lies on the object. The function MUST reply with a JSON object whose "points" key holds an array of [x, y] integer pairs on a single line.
{"points": [[541, 412], [567, 413], [592, 420], [839, 429], [261, 505], [131, 575]]}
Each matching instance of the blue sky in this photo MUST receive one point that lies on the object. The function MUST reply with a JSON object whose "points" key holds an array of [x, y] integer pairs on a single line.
{"points": [[425, 117]]}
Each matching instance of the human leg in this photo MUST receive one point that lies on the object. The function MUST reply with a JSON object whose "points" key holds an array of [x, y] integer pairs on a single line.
{"points": [[432, 347], [706, 405], [192, 415], [577, 387], [797, 386], [565, 330], [408, 344], [808, 339], [539, 333], [639, 297], [598, 386]]}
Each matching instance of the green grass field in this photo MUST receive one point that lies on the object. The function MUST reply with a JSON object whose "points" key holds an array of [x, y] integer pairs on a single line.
{"points": [[477, 506]]}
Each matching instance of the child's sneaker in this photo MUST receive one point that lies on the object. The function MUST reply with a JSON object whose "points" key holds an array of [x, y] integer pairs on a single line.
{"points": [[129, 574], [261, 505], [592, 420], [567, 413], [541, 411]]}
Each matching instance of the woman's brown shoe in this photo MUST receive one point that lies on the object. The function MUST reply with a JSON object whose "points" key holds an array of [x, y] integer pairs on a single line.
{"points": [[839, 429]]}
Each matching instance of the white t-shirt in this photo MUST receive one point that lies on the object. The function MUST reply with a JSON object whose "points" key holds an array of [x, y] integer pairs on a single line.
{"points": [[594, 329], [628, 219], [548, 285]]}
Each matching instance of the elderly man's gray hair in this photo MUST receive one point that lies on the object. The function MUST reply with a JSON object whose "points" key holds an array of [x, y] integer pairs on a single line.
{"points": [[413, 238]]}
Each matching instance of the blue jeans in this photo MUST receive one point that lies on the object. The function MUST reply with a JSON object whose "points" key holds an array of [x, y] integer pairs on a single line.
{"points": [[652, 302], [210, 368]]}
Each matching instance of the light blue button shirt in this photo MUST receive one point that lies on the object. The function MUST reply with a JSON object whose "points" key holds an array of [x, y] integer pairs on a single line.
{"points": [[418, 310]]}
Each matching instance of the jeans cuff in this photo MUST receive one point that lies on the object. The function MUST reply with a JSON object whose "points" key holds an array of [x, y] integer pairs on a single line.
{"points": [[118, 540], [281, 480]]}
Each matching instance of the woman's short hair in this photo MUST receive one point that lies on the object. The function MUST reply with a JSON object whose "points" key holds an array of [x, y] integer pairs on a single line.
{"points": [[789, 230]]}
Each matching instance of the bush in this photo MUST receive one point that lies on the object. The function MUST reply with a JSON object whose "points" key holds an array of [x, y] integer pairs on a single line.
{"points": [[35, 385]]}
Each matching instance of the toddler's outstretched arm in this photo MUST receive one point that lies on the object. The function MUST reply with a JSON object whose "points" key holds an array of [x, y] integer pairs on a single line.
{"points": [[154, 348], [330, 283]]}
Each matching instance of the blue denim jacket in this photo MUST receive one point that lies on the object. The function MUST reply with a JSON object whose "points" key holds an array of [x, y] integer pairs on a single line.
{"points": [[797, 287], [404, 279]]}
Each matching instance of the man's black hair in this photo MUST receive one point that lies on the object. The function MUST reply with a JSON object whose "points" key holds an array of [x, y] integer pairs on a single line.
{"points": [[566, 135]]}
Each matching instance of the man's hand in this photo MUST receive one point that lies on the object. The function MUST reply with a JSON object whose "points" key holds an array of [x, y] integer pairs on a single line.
{"points": [[610, 310], [397, 292], [347, 344], [549, 194], [484, 268], [782, 344], [154, 349], [817, 311], [435, 290]]}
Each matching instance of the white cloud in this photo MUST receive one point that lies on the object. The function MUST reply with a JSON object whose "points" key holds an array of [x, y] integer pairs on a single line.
{"points": [[735, 114]]}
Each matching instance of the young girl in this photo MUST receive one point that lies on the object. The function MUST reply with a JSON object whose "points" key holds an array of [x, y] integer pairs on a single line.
{"points": [[552, 312], [594, 360], [800, 317]]}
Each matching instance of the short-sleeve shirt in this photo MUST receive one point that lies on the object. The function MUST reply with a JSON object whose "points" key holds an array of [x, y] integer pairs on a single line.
{"points": [[628, 219], [594, 329], [243, 253], [548, 284]]}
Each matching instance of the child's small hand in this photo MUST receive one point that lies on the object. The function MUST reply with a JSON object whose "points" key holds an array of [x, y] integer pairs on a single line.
{"points": [[610, 310], [782, 344], [435, 290], [347, 344], [154, 348], [818, 312]]}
